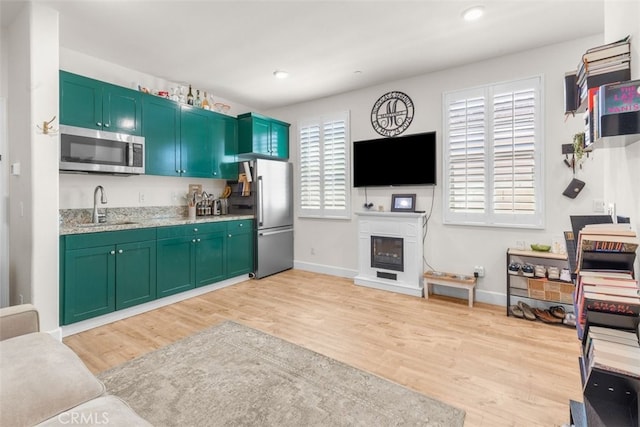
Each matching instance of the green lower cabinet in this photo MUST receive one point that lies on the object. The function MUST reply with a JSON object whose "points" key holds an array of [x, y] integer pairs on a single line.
{"points": [[239, 247], [104, 272], [210, 249], [176, 265], [135, 273], [89, 283]]}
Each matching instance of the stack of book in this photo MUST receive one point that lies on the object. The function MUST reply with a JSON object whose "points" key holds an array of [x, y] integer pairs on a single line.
{"points": [[607, 306], [612, 350], [599, 66], [604, 64], [618, 109]]}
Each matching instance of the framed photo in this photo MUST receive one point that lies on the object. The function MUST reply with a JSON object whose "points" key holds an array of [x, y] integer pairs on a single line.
{"points": [[403, 202]]}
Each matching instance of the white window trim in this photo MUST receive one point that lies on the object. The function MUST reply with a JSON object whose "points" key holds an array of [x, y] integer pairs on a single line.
{"points": [[491, 219], [323, 213]]}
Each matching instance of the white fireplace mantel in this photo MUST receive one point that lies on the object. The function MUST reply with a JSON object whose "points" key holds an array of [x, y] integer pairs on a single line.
{"points": [[405, 225]]}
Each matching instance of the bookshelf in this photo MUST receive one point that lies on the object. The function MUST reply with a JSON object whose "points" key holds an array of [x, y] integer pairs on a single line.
{"points": [[601, 91], [609, 336]]}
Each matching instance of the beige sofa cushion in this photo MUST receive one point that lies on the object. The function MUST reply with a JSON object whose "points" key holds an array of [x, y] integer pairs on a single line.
{"points": [[105, 410], [40, 378], [18, 320]]}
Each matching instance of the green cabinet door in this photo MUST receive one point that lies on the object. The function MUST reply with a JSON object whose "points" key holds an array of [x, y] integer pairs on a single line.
{"points": [[263, 136], [89, 283], [224, 139], [121, 110], [80, 101], [175, 265], [210, 265], [239, 247], [161, 129], [196, 149], [280, 140], [135, 273], [93, 104]]}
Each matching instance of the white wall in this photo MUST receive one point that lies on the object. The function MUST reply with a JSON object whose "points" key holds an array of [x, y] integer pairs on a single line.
{"points": [[622, 166], [32, 99], [457, 248]]}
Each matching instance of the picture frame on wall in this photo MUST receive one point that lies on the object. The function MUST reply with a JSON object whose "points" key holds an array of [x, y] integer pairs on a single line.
{"points": [[403, 203]]}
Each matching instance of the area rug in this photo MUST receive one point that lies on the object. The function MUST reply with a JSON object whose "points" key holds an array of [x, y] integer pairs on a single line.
{"points": [[232, 375]]}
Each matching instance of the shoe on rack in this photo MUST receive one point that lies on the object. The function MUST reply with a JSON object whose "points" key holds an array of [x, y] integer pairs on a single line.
{"points": [[557, 311], [514, 268], [565, 275], [526, 311], [516, 311], [527, 270], [545, 316], [553, 273], [540, 271]]}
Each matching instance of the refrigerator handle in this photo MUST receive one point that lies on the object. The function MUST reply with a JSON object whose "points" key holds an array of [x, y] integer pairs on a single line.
{"points": [[259, 202]]}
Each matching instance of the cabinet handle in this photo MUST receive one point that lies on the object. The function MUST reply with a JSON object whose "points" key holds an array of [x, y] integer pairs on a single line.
{"points": [[229, 235], [98, 123], [240, 225], [195, 230], [183, 171], [198, 240], [193, 241], [119, 251], [112, 252], [106, 125]]}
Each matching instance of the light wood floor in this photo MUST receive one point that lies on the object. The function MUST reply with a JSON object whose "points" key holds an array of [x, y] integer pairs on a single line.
{"points": [[501, 370]]}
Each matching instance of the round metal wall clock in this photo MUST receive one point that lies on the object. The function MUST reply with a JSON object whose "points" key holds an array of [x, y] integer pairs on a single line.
{"points": [[392, 113]]}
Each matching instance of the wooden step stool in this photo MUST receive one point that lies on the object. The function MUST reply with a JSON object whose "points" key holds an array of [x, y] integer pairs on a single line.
{"points": [[449, 279]]}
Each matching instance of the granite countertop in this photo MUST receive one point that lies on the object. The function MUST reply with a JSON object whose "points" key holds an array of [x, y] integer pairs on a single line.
{"points": [[76, 221]]}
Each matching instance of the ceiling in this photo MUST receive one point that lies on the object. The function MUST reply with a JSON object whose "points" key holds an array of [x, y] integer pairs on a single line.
{"points": [[231, 48]]}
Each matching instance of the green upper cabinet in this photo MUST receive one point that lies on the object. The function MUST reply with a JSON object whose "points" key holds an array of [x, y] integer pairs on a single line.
{"points": [[263, 136], [224, 136], [161, 129], [93, 104], [196, 147]]}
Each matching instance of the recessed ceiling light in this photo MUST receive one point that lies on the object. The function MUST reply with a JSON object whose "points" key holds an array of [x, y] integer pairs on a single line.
{"points": [[473, 13], [280, 74]]}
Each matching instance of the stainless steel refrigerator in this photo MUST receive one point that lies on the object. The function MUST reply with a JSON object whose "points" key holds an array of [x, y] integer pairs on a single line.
{"points": [[270, 200]]}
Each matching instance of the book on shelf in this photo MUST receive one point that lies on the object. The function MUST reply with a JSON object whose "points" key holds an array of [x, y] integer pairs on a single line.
{"points": [[596, 80], [608, 228], [624, 275], [612, 320], [619, 97], [608, 243], [613, 357], [607, 50], [628, 337], [612, 290], [615, 304]]}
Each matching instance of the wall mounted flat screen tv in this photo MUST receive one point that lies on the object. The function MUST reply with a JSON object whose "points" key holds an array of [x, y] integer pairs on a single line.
{"points": [[401, 160]]}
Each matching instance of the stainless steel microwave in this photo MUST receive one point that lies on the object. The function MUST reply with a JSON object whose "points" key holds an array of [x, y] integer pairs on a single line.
{"points": [[90, 150]]}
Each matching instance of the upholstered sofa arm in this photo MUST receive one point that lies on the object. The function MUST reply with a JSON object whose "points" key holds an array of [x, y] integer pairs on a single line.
{"points": [[18, 320]]}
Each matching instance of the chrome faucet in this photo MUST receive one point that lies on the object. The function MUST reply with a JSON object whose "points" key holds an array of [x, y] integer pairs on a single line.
{"points": [[98, 218]]}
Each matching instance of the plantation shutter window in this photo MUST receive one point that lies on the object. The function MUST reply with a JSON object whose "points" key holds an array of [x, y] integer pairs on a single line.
{"points": [[324, 167], [493, 155]]}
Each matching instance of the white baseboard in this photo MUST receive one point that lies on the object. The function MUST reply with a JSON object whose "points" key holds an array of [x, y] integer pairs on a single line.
{"points": [[489, 297], [325, 269], [151, 305]]}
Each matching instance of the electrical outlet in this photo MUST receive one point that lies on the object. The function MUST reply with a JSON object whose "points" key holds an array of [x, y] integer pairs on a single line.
{"points": [[478, 269], [598, 205], [611, 209], [141, 197]]}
